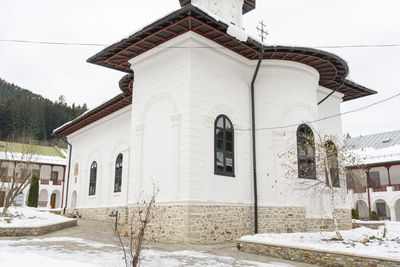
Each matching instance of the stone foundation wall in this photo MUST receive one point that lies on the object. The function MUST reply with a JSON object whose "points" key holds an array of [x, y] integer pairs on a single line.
{"points": [[310, 256], [199, 224], [103, 214], [293, 219], [216, 224], [35, 231]]}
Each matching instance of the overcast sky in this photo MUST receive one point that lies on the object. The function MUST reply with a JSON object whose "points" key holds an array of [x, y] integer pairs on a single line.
{"points": [[62, 70]]}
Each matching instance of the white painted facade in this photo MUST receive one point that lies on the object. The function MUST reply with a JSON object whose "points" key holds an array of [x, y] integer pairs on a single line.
{"points": [[47, 185], [388, 194], [101, 142], [167, 134]]}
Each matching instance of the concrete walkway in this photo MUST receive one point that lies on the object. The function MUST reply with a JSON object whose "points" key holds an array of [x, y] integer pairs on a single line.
{"points": [[98, 237]]}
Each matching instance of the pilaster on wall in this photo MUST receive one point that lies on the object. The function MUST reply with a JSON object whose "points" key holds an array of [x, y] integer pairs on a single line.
{"points": [[136, 163], [175, 123]]}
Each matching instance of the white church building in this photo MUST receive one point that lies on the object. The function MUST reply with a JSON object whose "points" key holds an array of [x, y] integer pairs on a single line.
{"points": [[186, 117]]}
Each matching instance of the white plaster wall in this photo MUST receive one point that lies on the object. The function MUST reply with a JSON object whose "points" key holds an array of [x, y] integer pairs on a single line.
{"points": [[160, 124], [199, 85], [287, 94], [177, 95], [219, 85], [101, 141], [330, 107]]}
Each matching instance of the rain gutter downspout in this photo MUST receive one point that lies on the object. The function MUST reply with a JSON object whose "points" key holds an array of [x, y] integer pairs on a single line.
{"points": [[331, 93], [253, 133], [69, 168]]}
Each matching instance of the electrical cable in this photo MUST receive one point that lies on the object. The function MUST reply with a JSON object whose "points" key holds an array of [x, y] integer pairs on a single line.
{"points": [[103, 45], [327, 117]]}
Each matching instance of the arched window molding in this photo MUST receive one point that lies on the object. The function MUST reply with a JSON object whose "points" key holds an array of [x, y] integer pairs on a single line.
{"points": [[92, 180], [224, 159], [306, 152], [118, 173], [332, 157]]}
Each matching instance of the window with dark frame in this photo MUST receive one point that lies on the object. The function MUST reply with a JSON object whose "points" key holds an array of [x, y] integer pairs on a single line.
{"points": [[224, 161], [381, 209], [306, 152], [3, 172], [92, 180], [54, 176], [118, 174], [374, 179], [332, 157], [24, 174]]}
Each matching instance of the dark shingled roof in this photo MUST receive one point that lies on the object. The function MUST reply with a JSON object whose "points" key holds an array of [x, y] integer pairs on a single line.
{"points": [[332, 69]]}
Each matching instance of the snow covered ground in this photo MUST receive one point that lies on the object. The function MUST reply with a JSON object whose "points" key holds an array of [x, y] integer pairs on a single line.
{"points": [[361, 241], [77, 252], [30, 217]]}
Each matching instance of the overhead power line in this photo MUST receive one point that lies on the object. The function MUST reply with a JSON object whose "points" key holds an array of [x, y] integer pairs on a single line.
{"points": [[103, 45], [328, 117], [266, 128], [50, 43]]}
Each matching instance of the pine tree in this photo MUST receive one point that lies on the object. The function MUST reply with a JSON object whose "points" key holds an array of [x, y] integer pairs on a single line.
{"points": [[22, 111], [354, 214], [33, 196], [374, 216]]}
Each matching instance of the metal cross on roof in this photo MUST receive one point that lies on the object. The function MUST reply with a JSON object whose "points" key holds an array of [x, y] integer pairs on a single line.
{"points": [[262, 29]]}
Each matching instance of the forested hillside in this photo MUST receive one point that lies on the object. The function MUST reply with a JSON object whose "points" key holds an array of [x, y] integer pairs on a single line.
{"points": [[25, 113]]}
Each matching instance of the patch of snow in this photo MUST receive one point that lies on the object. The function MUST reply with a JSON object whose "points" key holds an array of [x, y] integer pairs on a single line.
{"points": [[371, 155], [369, 222], [238, 33], [232, 30], [57, 240], [377, 246], [35, 158], [65, 251], [31, 217], [12, 257]]}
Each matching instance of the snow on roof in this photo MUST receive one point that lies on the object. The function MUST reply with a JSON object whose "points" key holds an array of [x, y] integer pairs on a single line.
{"points": [[35, 158], [376, 148], [232, 30], [33, 153], [376, 141]]}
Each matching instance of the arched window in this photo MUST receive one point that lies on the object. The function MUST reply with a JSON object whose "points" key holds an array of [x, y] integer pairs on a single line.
{"points": [[224, 163], [92, 181], [306, 152], [76, 169], [333, 161], [118, 174]]}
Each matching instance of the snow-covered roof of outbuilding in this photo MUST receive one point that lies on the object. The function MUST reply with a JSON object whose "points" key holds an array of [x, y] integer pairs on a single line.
{"points": [[11, 151], [375, 141], [376, 148]]}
